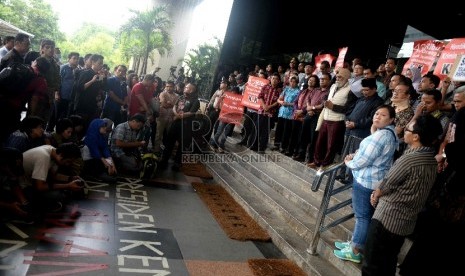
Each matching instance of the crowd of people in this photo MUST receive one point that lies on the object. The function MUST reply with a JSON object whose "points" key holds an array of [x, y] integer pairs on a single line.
{"points": [[83, 120], [404, 168], [75, 121]]}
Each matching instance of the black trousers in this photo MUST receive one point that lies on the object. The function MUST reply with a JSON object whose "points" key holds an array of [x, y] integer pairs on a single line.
{"points": [[180, 131], [381, 250], [249, 127], [308, 137]]}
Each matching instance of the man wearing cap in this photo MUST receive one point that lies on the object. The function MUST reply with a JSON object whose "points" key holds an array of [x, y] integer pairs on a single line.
{"points": [[331, 123]]}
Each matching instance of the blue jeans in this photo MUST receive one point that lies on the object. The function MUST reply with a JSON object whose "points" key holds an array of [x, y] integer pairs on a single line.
{"points": [[219, 139], [363, 212]]}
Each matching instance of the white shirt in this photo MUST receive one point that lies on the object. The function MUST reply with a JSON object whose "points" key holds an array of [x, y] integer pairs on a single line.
{"points": [[37, 162]]}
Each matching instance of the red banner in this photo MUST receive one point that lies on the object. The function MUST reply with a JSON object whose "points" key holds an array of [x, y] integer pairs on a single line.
{"points": [[453, 49], [341, 57], [424, 54], [231, 110], [252, 89]]}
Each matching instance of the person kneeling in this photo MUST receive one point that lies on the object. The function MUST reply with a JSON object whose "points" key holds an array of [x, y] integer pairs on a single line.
{"points": [[44, 186]]}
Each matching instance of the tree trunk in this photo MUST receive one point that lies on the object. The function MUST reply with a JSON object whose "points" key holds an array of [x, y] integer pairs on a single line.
{"points": [[146, 60], [143, 69], [136, 64]]}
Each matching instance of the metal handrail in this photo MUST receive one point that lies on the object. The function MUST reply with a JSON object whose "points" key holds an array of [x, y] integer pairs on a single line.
{"points": [[330, 174]]}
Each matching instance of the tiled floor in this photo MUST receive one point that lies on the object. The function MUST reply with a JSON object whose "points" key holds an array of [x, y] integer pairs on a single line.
{"points": [[160, 228]]}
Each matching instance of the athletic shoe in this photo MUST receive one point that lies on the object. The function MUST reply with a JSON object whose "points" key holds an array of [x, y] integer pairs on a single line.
{"points": [[348, 255], [342, 245]]}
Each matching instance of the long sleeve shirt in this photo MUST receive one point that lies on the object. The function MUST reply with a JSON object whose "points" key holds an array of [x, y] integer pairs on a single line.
{"points": [[269, 95], [374, 158], [405, 190], [362, 115]]}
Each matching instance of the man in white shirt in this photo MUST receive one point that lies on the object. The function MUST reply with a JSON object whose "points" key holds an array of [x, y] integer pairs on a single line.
{"points": [[43, 184]]}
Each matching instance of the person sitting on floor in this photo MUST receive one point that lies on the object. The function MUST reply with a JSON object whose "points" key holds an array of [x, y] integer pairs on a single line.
{"points": [[96, 154], [124, 144], [62, 134], [29, 135]]}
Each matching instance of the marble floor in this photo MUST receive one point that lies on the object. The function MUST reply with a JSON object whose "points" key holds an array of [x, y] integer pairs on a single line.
{"points": [[159, 227]]}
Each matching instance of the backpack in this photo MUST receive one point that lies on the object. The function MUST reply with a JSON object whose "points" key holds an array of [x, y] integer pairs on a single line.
{"points": [[401, 147], [149, 166], [15, 77]]}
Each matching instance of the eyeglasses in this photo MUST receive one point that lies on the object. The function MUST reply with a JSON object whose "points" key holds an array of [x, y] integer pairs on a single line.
{"points": [[409, 130]]}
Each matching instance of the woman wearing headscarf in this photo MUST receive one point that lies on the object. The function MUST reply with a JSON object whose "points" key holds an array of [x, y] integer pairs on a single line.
{"points": [[96, 153]]}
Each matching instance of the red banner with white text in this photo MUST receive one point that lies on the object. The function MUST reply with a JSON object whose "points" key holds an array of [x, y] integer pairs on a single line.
{"points": [[252, 89], [231, 110], [454, 48], [424, 55]]}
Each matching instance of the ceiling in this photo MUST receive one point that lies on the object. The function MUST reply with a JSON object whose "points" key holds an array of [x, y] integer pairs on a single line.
{"points": [[261, 30]]}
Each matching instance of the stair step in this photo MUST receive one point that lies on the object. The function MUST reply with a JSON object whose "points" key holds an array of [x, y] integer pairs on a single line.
{"points": [[289, 242], [300, 195], [293, 227]]}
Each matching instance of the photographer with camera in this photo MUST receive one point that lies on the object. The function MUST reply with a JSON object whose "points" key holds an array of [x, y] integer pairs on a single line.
{"points": [[89, 90]]}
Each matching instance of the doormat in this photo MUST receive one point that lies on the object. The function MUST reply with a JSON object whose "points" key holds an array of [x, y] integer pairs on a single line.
{"points": [[215, 268], [234, 220], [275, 267], [196, 169]]}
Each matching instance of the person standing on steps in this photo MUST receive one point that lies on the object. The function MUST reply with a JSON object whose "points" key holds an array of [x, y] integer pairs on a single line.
{"points": [[369, 165], [331, 121], [401, 196]]}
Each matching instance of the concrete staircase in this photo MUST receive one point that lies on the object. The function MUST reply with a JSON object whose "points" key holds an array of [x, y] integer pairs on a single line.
{"points": [[275, 191]]}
